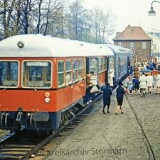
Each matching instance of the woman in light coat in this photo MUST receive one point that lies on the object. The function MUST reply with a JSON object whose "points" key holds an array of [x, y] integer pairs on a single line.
{"points": [[157, 83], [143, 83], [110, 78], [149, 83]]}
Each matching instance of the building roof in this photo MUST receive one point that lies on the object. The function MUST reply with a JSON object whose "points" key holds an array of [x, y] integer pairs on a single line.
{"points": [[132, 33]]}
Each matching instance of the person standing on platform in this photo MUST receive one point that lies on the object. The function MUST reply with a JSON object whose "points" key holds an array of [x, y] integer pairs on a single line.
{"points": [[110, 78], [107, 92], [126, 83], [143, 83], [149, 82], [119, 95], [130, 87], [136, 84], [157, 83]]}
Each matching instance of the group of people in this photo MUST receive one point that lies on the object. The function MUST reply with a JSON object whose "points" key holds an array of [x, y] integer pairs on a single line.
{"points": [[143, 84], [107, 92]]}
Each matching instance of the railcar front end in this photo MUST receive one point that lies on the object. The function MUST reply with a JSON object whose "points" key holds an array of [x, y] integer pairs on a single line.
{"points": [[39, 81], [34, 95]]}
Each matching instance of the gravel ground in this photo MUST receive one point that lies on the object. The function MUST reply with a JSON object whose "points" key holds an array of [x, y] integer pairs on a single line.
{"points": [[134, 135]]}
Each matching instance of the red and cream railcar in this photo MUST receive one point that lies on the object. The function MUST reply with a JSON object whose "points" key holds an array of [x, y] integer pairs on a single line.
{"points": [[41, 78]]}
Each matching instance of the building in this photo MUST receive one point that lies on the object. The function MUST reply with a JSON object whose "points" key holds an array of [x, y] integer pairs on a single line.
{"points": [[135, 38], [155, 48]]}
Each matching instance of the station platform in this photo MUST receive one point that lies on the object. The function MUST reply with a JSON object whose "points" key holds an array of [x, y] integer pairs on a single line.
{"points": [[134, 135]]}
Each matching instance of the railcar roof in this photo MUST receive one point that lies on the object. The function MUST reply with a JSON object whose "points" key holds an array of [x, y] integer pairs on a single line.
{"points": [[47, 46], [117, 49], [130, 51]]}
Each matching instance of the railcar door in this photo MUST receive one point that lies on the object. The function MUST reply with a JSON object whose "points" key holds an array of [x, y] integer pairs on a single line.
{"points": [[91, 68]]}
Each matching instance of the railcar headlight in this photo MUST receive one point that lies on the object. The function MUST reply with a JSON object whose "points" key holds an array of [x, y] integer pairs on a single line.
{"points": [[20, 44], [47, 94], [47, 100]]}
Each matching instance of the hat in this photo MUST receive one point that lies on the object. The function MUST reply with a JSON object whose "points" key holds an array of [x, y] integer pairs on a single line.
{"points": [[120, 83]]}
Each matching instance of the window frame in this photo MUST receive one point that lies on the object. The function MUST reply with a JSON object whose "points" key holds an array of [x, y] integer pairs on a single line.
{"points": [[132, 45], [82, 68], [144, 45], [75, 70], [18, 74], [102, 65], [68, 71], [93, 68], [37, 87], [64, 63], [120, 44]]}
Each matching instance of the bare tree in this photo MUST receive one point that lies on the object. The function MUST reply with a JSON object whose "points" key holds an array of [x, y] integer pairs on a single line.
{"points": [[7, 18], [14, 15], [54, 17], [102, 24], [47, 17], [27, 8], [77, 20], [39, 15], [46, 14]]}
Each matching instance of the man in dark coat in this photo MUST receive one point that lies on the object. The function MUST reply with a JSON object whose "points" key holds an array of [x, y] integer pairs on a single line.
{"points": [[119, 95], [107, 92]]}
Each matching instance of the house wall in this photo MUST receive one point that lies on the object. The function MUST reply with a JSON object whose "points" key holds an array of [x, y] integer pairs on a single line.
{"points": [[142, 54]]}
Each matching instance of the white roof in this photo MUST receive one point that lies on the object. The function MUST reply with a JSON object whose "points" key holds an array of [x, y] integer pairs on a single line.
{"points": [[130, 51], [116, 49], [47, 46], [119, 49]]}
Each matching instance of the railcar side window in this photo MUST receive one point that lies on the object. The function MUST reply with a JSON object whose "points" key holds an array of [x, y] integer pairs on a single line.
{"points": [[93, 65], [36, 74], [84, 68], [101, 64], [74, 67], [105, 65], [111, 63], [80, 66], [8, 74], [68, 72], [60, 73]]}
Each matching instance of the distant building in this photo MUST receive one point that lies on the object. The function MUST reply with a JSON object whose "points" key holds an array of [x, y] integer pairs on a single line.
{"points": [[155, 48], [136, 39]]}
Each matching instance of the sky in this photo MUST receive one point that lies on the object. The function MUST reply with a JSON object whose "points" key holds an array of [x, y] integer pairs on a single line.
{"points": [[130, 12]]}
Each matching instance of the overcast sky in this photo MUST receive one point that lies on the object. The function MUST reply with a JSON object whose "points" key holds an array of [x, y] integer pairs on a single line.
{"points": [[130, 12]]}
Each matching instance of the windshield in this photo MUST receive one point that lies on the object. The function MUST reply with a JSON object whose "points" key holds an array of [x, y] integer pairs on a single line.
{"points": [[36, 74], [8, 74]]}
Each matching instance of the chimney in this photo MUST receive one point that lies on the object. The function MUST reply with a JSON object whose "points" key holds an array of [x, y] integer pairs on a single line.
{"points": [[118, 33]]}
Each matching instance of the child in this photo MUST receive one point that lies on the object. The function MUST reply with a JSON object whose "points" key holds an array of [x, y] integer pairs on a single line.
{"points": [[126, 83], [130, 87]]}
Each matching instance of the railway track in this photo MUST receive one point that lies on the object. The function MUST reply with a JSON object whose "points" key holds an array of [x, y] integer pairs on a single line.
{"points": [[21, 145], [17, 145]]}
